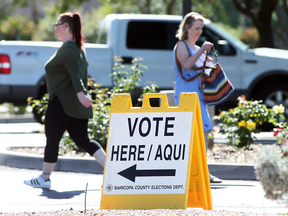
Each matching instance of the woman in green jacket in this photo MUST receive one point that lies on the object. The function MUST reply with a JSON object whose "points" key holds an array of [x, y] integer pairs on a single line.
{"points": [[70, 105]]}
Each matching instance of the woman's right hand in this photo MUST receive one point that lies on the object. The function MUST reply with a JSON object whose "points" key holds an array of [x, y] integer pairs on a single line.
{"points": [[207, 46], [84, 100]]}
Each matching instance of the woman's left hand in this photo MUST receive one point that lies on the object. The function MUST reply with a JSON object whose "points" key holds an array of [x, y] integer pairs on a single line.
{"points": [[84, 100]]}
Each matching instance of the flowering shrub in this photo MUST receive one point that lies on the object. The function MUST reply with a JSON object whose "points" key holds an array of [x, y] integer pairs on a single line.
{"points": [[241, 122], [281, 132], [251, 37], [272, 171]]}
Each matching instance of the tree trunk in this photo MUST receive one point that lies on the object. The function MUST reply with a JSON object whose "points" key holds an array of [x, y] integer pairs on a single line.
{"points": [[35, 14], [261, 15], [144, 6], [265, 31], [170, 6], [281, 34]]}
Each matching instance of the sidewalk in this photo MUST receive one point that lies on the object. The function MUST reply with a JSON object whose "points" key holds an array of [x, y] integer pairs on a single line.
{"points": [[27, 133]]}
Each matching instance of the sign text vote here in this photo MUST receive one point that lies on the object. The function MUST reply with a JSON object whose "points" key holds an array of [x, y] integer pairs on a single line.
{"points": [[148, 153]]}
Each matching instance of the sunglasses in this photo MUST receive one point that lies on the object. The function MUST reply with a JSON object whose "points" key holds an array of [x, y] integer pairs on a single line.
{"points": [[56, 24]]}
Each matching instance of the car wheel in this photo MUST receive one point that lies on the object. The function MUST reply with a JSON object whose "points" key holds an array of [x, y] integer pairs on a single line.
{"points": [[275, 94], [277, 97]]}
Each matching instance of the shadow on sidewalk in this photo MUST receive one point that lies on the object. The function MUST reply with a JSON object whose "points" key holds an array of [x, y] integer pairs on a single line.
{"points": [[53, 194]]}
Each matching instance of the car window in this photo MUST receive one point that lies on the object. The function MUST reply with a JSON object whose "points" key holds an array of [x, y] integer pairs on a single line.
{"points": [[160, 35], [151, 35], [207, 35]]}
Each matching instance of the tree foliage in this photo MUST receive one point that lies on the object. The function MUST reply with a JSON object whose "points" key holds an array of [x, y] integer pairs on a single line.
{"points": [[144, 6], [17, 28], [270, 17], [6, 8], [62, 6], [260, 12], [222, 11]]}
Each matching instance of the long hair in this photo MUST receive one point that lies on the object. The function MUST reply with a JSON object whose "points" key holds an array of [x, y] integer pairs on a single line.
{"points": [[188, 21], [74, 23]]}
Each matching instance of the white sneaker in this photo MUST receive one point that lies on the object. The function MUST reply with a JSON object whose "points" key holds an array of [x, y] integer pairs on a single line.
{"points": [[38, 182]]}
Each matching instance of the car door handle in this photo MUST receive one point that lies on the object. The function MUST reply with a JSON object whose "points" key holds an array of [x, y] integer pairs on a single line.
{"points": [[248, 61], [127, 60]]}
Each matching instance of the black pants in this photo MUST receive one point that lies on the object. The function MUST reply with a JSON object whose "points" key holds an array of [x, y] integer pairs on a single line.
{"points": [[56, 123]]}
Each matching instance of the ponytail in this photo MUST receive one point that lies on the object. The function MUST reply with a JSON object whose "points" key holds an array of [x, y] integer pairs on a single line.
{"points": [[74, 23], [77, 33]]}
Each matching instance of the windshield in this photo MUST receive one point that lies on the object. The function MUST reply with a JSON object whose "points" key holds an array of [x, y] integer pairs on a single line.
{"points": [[229, 37]]}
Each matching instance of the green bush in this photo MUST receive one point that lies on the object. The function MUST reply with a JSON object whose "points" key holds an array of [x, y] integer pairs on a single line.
{"points": [[17, 28], [13, 109], [17, 110], [250, 37]]}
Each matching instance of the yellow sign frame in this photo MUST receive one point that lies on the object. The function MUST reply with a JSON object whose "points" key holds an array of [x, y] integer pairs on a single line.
{"points": [[197, 193]]}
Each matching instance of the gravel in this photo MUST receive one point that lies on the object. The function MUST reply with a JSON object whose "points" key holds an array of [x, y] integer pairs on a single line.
{"points": [[222, 153], [153, 212]]}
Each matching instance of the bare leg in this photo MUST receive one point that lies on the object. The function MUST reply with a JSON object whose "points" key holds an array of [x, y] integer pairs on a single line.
{"points": [[206, 133], [47, 169], [212, 178]]}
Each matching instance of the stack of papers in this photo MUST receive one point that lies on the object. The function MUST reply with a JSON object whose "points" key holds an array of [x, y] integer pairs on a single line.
{"points": [[200, 63]]}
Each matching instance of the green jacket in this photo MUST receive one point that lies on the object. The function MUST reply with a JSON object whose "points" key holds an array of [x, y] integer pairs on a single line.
{"points": [[66, 75]]}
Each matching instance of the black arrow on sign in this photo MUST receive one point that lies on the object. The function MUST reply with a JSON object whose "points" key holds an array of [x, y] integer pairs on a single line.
{"points": [[131, 173]]}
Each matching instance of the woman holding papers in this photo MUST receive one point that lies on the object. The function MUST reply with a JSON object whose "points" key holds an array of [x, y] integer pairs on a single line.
{"points": [[187, 55]]}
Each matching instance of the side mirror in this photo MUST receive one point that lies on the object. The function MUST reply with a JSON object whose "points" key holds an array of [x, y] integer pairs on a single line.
{"points": [[224, 48]]}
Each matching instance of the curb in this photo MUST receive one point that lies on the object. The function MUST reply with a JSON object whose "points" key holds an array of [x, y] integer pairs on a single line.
{"points": [[34, 161], [233, 171], [23, 118], [87, 165]]}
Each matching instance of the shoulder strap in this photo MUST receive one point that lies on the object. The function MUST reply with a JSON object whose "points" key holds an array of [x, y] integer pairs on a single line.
{"points": [[180, 67]]}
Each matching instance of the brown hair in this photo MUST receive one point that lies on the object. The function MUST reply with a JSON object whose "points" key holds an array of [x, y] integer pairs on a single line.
{"points": [[187, 20], [74, 23]]}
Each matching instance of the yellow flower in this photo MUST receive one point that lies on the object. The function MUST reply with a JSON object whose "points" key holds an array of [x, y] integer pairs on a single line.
{"points": [[242, 124], [242, 98], [221, 114], [279, 109], [251, 125], [29, 99]]}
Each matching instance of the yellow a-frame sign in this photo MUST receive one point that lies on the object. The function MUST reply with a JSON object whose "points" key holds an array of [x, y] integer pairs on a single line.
{"points": [[156, 156]]}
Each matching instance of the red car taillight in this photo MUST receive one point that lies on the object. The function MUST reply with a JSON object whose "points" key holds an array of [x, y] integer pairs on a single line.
{"points": [[5, 66]]}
